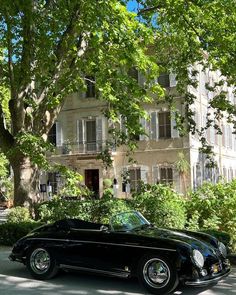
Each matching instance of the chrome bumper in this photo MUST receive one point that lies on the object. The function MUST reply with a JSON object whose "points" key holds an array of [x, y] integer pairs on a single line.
{"points": [[202, 283]]}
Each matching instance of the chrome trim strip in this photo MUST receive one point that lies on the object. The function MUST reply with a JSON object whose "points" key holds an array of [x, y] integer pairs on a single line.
{"points": [[105, 272], [103, 243], [207, 282]]}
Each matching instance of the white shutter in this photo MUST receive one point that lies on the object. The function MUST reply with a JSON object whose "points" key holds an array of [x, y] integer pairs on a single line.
{"points": [[80, 135], [141, 79], [228, 133], [176, 180], [173, 81], [155, 175], [230, 138], [143, 124], [99, 133], [122, 124], [174, 131], [153, 127], [144, 172], [59, 135], [212, 134], [80, 131]]}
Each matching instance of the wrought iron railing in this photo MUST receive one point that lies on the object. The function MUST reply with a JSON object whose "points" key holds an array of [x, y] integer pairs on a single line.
{"points": [[85, 147]]}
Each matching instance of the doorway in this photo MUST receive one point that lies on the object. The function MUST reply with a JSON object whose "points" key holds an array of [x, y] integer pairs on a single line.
{"points": [[92, 181]]}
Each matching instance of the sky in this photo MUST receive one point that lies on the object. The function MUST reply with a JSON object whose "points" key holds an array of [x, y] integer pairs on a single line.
{"points": [[132, 6]]}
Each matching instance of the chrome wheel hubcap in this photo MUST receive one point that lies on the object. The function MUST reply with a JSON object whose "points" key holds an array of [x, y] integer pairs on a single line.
{"points": [[40, 261], [156, 273]]}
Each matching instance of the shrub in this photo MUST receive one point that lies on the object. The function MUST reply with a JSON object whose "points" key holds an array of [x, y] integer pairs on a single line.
{"points": [[107, 206], [161, 205], [216, 208], [11, 232], [59, 208], [88, 209], [18, 214]]}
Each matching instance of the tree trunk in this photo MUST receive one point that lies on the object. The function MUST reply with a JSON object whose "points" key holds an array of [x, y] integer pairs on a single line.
{"points": [[26, 182]]}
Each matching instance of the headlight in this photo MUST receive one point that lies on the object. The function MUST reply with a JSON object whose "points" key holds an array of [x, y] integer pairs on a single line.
{"points": [[222, 249], [198, 258]]}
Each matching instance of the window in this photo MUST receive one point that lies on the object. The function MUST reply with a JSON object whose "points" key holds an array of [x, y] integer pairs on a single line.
{"points": [[131, 179], [164, 80], [164, 125], [52, 182], [52, 137], [166, 175], [91, 135], [90, 83], [133, 73], [55, 135], [135, 178]]}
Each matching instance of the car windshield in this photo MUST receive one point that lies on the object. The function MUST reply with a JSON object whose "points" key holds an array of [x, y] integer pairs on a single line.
{"points": [[128, 221]]}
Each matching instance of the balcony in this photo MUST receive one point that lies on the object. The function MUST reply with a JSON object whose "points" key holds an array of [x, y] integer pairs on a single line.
{"points": [[84, 148]]}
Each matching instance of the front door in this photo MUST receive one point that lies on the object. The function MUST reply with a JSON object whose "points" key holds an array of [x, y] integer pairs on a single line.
{"points": [[92, 181]]}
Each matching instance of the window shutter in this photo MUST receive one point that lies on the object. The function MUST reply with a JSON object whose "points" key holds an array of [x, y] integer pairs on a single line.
{"points": [[173, 81], [59, 138], [174, 131], [144, 171], [141, 79], [155, 174], [212, 134], [230, 138], [224, 136], [80, 131], [227, 136], [122, 124], [153, 127], [143, 124], [99, 129]]}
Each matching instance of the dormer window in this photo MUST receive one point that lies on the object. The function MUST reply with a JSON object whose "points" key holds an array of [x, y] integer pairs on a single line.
{"points": [[164, 80], [90, 83]]}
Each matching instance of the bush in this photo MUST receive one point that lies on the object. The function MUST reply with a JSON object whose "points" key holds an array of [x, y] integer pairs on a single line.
{"points": [[161, 205], [59, 208], [12, 232], [107, 206], [18, 214], [88, 209], [215, 205]]}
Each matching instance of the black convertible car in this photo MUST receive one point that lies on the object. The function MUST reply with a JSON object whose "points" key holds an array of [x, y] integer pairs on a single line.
{"points": [[128, 246]]}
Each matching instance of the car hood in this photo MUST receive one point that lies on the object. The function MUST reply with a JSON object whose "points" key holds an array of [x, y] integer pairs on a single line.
{"points": [[194, 240]]}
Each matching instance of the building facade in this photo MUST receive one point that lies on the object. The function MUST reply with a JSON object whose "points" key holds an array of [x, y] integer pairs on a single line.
{"points": [[81, 133]]}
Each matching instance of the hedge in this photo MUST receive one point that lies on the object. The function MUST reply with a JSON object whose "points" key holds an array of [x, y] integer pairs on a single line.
{"points": [[11, 232]]}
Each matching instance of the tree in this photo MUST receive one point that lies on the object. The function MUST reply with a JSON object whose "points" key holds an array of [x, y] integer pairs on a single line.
{"points": [[183, 167], [195, 26], [48, 50], [196, 32]]}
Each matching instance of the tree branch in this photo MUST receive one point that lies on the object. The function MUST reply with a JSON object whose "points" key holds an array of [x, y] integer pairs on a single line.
{"points": [[9, 53], [27, 46], [148, 9], [60, 52]]}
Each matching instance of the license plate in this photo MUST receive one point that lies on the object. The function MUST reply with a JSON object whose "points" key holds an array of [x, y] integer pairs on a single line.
{"points": [[216, 268]]}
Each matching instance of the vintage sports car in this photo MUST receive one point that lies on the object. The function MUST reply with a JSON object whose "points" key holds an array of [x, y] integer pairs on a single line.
{"points": [[128, 246]]}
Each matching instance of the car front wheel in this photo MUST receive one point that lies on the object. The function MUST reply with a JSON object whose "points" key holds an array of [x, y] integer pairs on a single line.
{"points": [[157, 274], [41, 264]]}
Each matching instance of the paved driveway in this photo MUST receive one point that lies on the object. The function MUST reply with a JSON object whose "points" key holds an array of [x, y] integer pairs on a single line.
{"points": [[15, 280]]}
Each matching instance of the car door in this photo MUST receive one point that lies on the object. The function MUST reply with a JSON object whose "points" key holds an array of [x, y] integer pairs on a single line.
{"points": [[102, 249]]}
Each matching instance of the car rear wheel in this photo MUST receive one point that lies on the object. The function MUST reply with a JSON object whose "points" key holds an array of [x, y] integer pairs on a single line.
{"points": [[157, 274], [41, 264]]}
